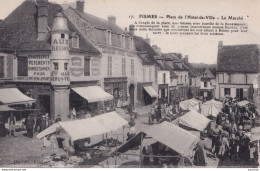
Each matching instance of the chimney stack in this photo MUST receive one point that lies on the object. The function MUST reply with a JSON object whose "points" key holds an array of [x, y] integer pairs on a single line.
{"points": [[157, 49], [186, 58], [111, 19], [80, 5], [132, 29], [42, 19], [220, 44], [147, 39]]}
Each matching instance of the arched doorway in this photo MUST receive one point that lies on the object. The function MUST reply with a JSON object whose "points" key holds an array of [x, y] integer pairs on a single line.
{"points": [[132, 94]]}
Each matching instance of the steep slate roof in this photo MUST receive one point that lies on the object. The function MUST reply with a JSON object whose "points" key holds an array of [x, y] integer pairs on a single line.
{"points": [[19, 30], [191, 70], [172, 73], [207, 74], [143, 47], [239, 58]]}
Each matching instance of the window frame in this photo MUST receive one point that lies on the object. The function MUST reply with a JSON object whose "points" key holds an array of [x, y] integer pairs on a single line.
{"points": [[23, 70], [2, 69], [124, 66], [225, 90], [86, 69], [132, 67], [109, 65]]}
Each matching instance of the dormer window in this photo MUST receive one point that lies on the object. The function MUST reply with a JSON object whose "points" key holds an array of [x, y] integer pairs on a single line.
{"points": [[75, 41], [109, 38], [122, 41], [131, 43]]}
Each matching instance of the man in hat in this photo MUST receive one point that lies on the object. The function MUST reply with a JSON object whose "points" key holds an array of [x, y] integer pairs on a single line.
{"points": [[38, 122], [29, 126], [58, 119], [11, 122]]}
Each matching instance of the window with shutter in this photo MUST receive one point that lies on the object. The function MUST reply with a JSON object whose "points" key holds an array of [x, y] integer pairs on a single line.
{"points": [[22, 67]]}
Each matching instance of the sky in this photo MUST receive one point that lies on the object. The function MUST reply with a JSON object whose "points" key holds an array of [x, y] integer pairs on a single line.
{"points": [[201, 49]]}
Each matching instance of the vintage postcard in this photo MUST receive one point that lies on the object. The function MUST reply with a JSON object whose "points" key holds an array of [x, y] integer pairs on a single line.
{"points": [[129, 84]]}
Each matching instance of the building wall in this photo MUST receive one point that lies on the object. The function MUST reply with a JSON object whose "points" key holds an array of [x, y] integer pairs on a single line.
{"points": [[181, 77], [234, 81], [161, 79], [117, 56], [8, 65], [174, 82]]}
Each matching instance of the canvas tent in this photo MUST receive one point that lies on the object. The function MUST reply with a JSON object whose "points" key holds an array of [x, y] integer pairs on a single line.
{"points": [[193, 120], [11, 96], [243, 103], [84, 128], [174, 137], [190, 104], [211, 108]]}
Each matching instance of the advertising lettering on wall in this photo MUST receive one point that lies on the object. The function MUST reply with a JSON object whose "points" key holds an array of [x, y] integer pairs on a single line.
{"points": [[77, 66], [60, 45], [38, 69]]}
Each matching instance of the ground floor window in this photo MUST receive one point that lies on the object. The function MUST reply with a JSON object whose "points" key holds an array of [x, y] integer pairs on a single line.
{"points": [[227, 91]]}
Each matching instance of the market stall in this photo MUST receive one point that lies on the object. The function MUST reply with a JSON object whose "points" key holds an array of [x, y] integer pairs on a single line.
{"points": [[211, 108], [193, 120], [190, 104], [180, 142]]}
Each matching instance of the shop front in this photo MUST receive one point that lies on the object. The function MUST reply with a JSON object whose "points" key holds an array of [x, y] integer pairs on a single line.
{"points": [[118, 88], [163, 93], [173, 94], [146, 95]]}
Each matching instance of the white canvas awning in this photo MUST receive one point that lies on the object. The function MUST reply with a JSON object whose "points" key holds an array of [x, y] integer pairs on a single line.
{"points": [[174, 137], [150, 91], [5, 108], [243, 103], [194, 120], [84, 128], [211, 108], [190, 104], [93, 93], [10, 96]]}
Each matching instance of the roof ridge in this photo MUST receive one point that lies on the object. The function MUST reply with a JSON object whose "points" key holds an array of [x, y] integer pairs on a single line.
{"points": [[102, 19]]}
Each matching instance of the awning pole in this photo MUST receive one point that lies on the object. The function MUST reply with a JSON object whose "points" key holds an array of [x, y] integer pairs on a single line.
{"points": [[141, 149], [123, 134], [116, 151]]}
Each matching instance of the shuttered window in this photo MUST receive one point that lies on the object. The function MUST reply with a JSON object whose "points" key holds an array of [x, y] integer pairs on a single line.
{"points": [[22, 66], [86, 66], [1, 67]]}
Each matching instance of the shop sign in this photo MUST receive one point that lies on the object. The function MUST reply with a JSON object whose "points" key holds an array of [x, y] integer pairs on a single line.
{"points": [[60, 45], [38, 69], [77, 68]]}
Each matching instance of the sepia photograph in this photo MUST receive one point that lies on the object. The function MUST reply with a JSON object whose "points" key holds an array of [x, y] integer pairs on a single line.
{"points": [[129, 84]]}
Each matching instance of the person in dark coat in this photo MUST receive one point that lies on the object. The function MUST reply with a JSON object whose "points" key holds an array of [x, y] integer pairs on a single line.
{"points": [[38, 123], [159, 113], [219, 118], [58, 119], [2, 126], [43, 123], [199, 158], [29, 126]]}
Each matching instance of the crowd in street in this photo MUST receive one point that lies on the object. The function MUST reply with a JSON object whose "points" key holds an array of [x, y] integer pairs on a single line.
{"points": [[228, 132]]}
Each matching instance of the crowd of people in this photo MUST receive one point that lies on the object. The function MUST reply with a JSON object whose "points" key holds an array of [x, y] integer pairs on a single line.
{"points": [[228, 132]]}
